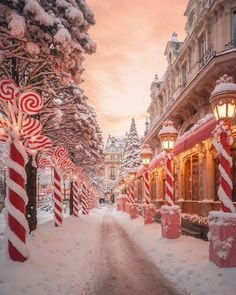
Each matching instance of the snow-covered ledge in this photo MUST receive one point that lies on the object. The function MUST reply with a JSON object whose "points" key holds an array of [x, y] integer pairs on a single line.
{"points": [[222, 237]]}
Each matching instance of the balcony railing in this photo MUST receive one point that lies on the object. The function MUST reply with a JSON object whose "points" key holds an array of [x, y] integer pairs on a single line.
{"points": [[206, 57], [231, 44]]}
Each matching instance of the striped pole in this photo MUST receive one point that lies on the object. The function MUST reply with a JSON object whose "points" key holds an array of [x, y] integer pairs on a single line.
{"points": [[222, 141], [17, 228], [58, 206], [146, 187], [75, 199], [84, 200], [169, 181], [131, 190]]}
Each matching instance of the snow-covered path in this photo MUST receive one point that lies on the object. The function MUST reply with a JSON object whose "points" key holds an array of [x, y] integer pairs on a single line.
{"points": [[125, 267]]}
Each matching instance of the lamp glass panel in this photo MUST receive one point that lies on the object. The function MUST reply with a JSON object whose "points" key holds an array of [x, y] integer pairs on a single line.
{"points": [[215, 113], [231, 110], [222, 111]]}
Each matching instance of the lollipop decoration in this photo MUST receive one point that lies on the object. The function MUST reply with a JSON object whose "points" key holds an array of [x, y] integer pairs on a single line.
{"points": [[19, 129]]}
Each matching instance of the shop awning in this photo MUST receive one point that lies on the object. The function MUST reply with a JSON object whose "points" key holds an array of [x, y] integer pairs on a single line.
{"points": [[196, 137], [156, 162], [140, 171]]}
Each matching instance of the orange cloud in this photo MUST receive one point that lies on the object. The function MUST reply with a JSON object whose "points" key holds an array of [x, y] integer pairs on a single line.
{"points": [[131, 37]]}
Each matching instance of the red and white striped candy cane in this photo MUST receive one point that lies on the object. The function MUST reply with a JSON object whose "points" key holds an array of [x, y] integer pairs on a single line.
{"points": [[131, 191], [58, 206], [17, 228], [146, 187], [88, 200], [84, 200], [222, 139], [75, 199], [169, 180]]}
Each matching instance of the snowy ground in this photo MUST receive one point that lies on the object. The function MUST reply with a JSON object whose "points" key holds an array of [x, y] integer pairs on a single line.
{"points": [[63, 260], [184, 261], [70, 259]]}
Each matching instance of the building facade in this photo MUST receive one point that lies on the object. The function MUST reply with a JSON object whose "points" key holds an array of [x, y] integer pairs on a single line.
{"points": [[113, 152], [182, 95]]}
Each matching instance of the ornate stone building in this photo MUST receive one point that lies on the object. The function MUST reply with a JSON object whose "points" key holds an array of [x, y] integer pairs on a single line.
{"points": [[182, 95], [113, 156]]}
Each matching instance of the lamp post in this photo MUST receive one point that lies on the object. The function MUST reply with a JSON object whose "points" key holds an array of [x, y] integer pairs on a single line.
{"points": [[222, 225], [148, 207], [133, 210], [170, 213]]}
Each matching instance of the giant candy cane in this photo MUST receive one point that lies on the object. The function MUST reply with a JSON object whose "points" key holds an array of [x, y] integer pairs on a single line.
{"points": [[222, 138], [60, 154], [75, 198], [131, 192], [22, 133], [84, 200], [169, 180], [146, 187]]}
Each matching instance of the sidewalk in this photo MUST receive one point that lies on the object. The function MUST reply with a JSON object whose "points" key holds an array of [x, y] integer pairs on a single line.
{"points": [[184, 261]]}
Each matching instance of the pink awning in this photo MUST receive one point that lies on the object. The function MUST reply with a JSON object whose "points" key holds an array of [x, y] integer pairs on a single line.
{"points": [[140, 171], [202, 133], [156, 162]]}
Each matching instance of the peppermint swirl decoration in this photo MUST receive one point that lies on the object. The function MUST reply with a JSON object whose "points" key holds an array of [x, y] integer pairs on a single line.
{"points": [[31, 127], [8, 90], [3, 136], [30, 103], [4, 123], [43, 163], [60, 153], [39, 143]]}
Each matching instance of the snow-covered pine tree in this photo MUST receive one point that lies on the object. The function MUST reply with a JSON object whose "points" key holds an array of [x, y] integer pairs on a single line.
{"points": [[71, 122], [131, 156], [42, 38]]}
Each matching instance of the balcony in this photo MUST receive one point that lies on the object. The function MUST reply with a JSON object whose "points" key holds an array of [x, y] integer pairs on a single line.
{"points": [[206, 57]]}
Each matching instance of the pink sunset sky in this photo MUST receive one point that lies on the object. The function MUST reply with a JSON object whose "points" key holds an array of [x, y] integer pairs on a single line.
{"points": [[131, 37]]}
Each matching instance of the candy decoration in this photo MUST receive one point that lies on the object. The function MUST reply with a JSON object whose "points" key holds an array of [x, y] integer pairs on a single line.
{"points": [[146, 187], [3, 136], [90, 200], [43, 162], [30, 103], [8, 90], [31, 127], [4, 123], [39, 143], [58, 207], [75, 199], [14, 105], [222, 139], [17, 228], [84, 200], [169, 180], [131, 191], [60, 153]]}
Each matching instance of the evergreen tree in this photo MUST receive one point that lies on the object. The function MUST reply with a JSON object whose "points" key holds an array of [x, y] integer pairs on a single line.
{"points": [[131, 156]]}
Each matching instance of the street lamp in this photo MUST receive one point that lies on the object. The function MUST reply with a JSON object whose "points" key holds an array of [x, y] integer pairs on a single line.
{"points": [[223, 224], [149, 209], [168, 135], [170, 214]]}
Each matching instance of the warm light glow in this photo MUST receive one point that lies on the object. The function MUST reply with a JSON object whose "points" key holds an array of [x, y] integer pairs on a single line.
{"points": [[224, 109], [146, 161], [168, 143]]}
